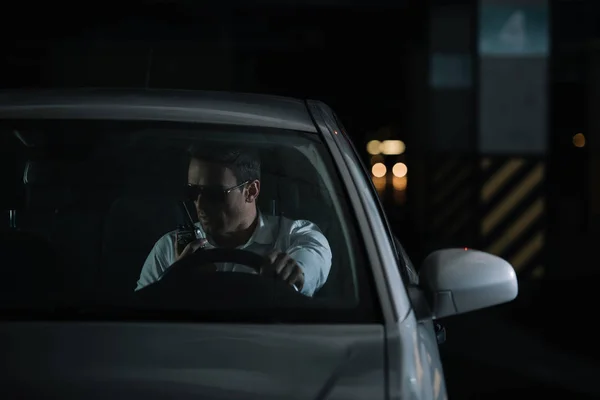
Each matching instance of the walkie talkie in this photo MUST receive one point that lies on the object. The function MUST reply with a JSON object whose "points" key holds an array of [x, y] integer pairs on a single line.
{"points": [[186, 233]]}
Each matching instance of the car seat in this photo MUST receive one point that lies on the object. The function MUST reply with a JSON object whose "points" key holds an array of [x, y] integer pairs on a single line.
{"points": [[293, 184], [66, 202], [30, 270]]}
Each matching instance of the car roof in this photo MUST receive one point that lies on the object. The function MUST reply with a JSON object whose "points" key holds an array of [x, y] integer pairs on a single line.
{"points": [[256, 110]]}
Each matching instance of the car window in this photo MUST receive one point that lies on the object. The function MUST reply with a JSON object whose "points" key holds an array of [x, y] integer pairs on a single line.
{"points": [[407, 270], [104, 210]]}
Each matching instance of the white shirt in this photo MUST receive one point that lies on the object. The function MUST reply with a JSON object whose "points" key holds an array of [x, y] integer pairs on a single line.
{"points": [[301, 240]]}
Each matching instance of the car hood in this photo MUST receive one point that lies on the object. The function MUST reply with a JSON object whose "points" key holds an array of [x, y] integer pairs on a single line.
{"points": [[110, 360]]}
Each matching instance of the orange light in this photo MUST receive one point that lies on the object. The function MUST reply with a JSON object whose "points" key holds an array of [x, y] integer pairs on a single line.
{"points": [[392, 147], [399, 183], [400, 170], [379, 170], [466, 248], [380, 184], [579, 140], [374, 147]]}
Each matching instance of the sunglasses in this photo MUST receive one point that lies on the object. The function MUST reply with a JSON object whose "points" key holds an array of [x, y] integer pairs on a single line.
{"points": [[214, 194]]}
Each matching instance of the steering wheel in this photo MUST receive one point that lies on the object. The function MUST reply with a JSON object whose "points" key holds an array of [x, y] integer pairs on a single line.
{"points": [[195, 277], [202, 258]]}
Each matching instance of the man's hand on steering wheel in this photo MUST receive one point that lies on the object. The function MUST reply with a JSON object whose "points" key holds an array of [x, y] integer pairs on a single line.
{"points": [[286, 268]]}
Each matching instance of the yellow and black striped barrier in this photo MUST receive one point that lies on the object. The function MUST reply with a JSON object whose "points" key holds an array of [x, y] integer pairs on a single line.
{"points": [[453, 200], [513, 211]]}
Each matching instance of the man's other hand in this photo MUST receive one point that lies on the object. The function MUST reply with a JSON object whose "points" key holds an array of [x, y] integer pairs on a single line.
{"points": [[286, 268]]}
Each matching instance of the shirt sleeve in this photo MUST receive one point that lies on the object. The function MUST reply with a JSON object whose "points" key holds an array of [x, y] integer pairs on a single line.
{"points": [[310, 249], [160, 258]]}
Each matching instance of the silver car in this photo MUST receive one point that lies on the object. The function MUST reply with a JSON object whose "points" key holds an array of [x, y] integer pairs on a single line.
{"points": [[93, 179]]}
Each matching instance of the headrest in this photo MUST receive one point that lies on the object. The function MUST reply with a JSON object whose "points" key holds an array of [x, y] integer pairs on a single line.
{"points": [[55, 184], [291, 185], [92, 173], [293, 168]]}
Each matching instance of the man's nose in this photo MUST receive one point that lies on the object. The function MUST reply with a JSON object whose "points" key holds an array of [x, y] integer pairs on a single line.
{"points": [[200, 198]]}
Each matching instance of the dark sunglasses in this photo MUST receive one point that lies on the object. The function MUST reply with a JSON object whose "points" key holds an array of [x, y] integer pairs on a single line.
{"points": [[213, 194]]}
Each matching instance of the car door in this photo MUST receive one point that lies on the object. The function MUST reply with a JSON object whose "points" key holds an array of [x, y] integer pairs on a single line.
{"points": [[162, 360]]}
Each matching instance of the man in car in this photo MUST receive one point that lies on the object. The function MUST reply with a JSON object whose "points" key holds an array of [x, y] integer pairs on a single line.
{"points": [[224, 185]]}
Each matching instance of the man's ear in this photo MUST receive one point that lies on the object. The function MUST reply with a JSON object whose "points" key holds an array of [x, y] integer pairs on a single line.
{"points": [[252, 191]]}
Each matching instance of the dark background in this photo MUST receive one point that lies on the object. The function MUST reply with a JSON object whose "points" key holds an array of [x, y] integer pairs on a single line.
{"points": [[372, 63]]}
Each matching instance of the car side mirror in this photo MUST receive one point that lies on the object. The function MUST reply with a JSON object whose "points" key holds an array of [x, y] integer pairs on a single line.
{"points": [[461, 280]]}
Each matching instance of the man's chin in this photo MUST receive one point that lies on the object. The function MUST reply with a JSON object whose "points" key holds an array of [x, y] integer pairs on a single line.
{"points": [[208, 228]]}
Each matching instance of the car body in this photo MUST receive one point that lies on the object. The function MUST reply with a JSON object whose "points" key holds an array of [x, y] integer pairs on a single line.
{"points": [[392, 356]]}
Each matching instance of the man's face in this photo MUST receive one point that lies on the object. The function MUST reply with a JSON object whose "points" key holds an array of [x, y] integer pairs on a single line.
{"points": [[219, 212]]}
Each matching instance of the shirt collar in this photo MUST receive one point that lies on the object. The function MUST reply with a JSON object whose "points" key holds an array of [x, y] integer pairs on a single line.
{"points": [[263, 233]]}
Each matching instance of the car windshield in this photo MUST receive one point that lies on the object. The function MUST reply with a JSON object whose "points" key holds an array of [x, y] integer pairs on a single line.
{"points": [[150, 218]]}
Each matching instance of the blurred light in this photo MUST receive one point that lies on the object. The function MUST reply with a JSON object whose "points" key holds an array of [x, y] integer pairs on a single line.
{"points": [[466, 248], [392, 147], [377, 159], [399, 183], [378, 170], [380, 184], [374, 147], [399, 169], [579, 140]]}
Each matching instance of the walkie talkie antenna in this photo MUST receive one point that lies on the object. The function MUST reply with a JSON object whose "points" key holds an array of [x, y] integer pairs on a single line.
{"points": [[187, 211]]}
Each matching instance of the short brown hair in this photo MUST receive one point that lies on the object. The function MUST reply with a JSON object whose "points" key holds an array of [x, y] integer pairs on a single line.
{"points": [[244, 163]]}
